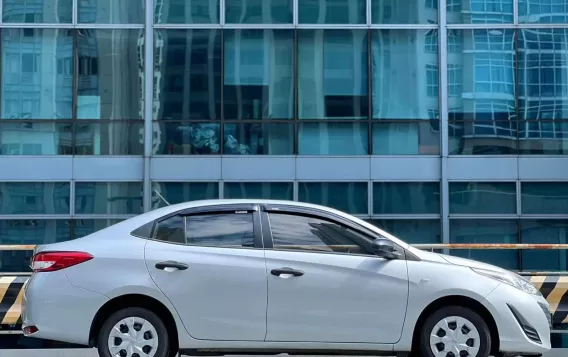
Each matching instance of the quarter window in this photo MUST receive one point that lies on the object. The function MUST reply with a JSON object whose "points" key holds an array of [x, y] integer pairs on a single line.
{"points": [[227, 230], [294, 232]]}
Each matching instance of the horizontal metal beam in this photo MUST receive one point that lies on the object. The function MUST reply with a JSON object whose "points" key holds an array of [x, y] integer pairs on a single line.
{"points": [[491, 246]]}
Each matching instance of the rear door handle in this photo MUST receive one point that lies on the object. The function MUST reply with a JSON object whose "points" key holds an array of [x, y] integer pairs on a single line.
{"points": [[287, 271], [171, 264]]}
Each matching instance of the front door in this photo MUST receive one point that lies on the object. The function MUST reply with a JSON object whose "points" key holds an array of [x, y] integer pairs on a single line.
{"points": [[325, 286], [211, 266]]}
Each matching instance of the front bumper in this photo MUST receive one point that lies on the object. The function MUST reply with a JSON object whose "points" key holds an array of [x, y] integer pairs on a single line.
{"points": [[523, 321]]}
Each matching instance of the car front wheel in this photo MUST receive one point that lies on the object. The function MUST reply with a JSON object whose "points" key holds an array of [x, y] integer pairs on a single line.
{"points": [[133, 332], [455, 331]]}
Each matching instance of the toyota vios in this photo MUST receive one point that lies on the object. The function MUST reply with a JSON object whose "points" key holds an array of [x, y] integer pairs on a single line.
{"points": [[251, 276]]}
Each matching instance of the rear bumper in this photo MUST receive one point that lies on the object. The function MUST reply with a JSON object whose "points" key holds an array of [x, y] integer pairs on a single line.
{"points": [[59, 310]]}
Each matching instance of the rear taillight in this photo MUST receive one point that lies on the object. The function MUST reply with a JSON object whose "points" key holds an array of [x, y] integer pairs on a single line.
{"points": [[53, 261]]}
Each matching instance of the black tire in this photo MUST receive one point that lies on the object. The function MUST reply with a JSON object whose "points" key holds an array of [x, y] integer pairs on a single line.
{"points": [[163, 349], [459, 311]]}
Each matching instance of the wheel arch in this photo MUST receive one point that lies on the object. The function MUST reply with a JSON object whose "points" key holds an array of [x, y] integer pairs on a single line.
{"points": [[134, 300], [463, 301]]}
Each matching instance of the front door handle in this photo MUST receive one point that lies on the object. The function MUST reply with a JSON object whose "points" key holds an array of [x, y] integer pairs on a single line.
{"points": [[171, 264], [287, 271]]}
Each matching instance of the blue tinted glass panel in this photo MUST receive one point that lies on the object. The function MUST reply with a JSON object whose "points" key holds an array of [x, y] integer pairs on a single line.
{"points": [[332, 11], [349, 197], [108, 198], [32, 232], [333, 139], [259, 74], [486, 231], [544, 197], [84, 227], [480, 137], [406, 198], [111, 11], [109, 138], [37, 11], [258, 139], [35, 198], [190, 74], [258, 11], [187, 138], [333, 66], [417, 231], [543, 11], [264, 190], [36, 138], [483, 197], [404, 12], [480, 12], [178, 192], [395, 68], [109, 86], [543, 137], [37, 74], [418, 138], [544, 232], [186, 11]]}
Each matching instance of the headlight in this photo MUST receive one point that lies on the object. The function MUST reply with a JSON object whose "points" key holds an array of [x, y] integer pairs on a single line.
{"points": [[512, 279]]}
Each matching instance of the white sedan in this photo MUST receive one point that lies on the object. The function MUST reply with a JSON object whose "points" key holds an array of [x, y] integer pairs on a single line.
{"points": [[255, 276]]}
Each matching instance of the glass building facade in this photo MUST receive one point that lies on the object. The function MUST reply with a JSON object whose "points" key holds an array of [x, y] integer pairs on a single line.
{"points": [[441, 121]]}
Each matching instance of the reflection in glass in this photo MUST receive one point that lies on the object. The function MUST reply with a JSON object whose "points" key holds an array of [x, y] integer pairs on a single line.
{"points": [[178, 192], [37, 74], [220, 230], [187, 72], [108, 198], [109, 85], [406, 198], [37, 11], [258, 139], [486, 231], [84, 227], [258, 11], [416, 231], [186, 138], [332, 11], [186, 11], [171, 230], [543, 11], [32, 232], [333, 139], [333, 78], [400, 60], [543, 137], [350, 197], [36, 138], [417, 138], [109, 138], [404, 12], [483, 198], [15, 261], [544, 232], [111, 11], [35, 198], [483, 137], [544, 197], [259, 72], [480, 11], [264, 190]]}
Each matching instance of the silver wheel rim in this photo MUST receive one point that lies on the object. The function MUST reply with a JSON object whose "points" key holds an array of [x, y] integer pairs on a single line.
{"points": [[133, 337], [454, 336]]}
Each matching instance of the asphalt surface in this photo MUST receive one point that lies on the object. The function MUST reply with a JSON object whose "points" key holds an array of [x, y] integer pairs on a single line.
{"points": [[561, 352]]}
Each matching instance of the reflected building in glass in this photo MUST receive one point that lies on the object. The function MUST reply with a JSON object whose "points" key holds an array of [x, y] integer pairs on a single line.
{"points": [[439, 124]]}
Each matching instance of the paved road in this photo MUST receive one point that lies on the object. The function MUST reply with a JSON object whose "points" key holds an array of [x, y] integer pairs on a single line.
{"points": [[92, 353]]}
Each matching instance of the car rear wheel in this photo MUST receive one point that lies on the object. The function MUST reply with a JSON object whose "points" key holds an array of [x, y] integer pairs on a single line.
{"points": [[455, 331], [133, 332]]}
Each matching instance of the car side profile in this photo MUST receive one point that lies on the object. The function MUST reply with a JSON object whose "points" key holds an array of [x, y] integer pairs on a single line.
{"points": [[267, 277]]}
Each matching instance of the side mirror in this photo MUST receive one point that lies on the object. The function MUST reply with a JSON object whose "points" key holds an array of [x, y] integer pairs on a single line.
{"points": [[384, 248]]}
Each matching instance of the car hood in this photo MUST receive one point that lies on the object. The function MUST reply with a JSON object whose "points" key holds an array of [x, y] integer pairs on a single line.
{"points": [[471, 263]]}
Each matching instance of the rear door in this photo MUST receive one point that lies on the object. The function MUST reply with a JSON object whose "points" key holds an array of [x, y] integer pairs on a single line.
{"points": [[210, 264]]}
